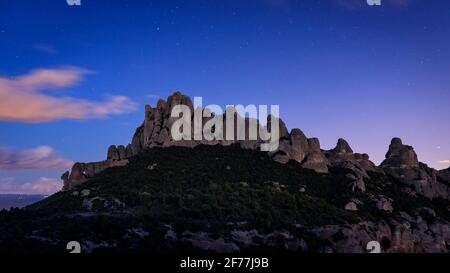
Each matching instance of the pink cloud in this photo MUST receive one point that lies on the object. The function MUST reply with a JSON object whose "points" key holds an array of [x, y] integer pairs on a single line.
{"points": [[43, 157], [22, 99], [42, 185]]}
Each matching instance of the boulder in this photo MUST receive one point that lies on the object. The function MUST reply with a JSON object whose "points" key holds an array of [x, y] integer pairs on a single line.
{"points": [[283, 154], [399, 155], [205, 242], [351, 238], [341, 153], [148, 126], [365, 163], [112, 153], [384, 204], [300, 146], [402, 163], [121, 152], [351, 206], [129, 151], [342, 156], [342, 147], [137, 142], [159, 118], [316, 161], [178, 99]]}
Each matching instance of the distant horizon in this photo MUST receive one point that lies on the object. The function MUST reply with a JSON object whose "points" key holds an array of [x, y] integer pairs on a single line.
{"points": [[8, 201], [24, 194]]}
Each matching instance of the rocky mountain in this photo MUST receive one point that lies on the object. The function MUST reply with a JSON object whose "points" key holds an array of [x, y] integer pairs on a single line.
{"points": [[157, 194], [155, 132], [445, 174], [401, 160]]}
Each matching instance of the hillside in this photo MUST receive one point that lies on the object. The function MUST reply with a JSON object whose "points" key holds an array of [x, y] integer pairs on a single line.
{"points": [[227, 199]]}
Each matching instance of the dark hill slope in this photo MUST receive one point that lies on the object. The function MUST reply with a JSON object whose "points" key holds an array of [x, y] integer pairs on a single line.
{"points": [[225, 199]]}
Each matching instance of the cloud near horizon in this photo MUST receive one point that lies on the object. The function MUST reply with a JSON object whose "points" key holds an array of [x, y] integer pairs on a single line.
{"points": [[22, 98], [42, 185], [445, 161], [42, 157]]}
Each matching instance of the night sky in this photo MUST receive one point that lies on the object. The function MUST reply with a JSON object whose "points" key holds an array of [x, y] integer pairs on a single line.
{"points": [[75, 79]]}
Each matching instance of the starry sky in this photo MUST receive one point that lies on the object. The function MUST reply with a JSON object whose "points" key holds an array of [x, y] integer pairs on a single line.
{"points": [[75, 79]]}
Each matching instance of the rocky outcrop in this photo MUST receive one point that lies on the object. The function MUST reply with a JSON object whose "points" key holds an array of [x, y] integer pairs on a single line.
{"points": [[365, 163], [292, 146], [239, 240], [400, 156], [401, 160], [342, 156], [351, 206], [81, 172], [117, 153], [155, 131], [384, 204], [444, 174], [296, 146], [412, 235], [402, 163]]}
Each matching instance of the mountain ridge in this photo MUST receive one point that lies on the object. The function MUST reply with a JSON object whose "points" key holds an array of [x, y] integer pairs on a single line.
{"points": [[157, 195], [401, 160]]}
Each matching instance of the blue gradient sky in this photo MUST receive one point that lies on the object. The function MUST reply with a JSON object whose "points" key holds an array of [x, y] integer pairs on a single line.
{"points": [[337, 68]]}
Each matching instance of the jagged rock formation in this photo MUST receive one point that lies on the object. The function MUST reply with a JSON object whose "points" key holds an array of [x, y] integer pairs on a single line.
{"points": [[342, 156], [118, 153], [401, 160], [81, 172], [155, 132], [402, 163], [400, 156], [444, 174], [296, 146]]}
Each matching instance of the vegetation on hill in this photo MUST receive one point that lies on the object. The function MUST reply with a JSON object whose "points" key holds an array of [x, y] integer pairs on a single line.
{"points": [[207, 188]]}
